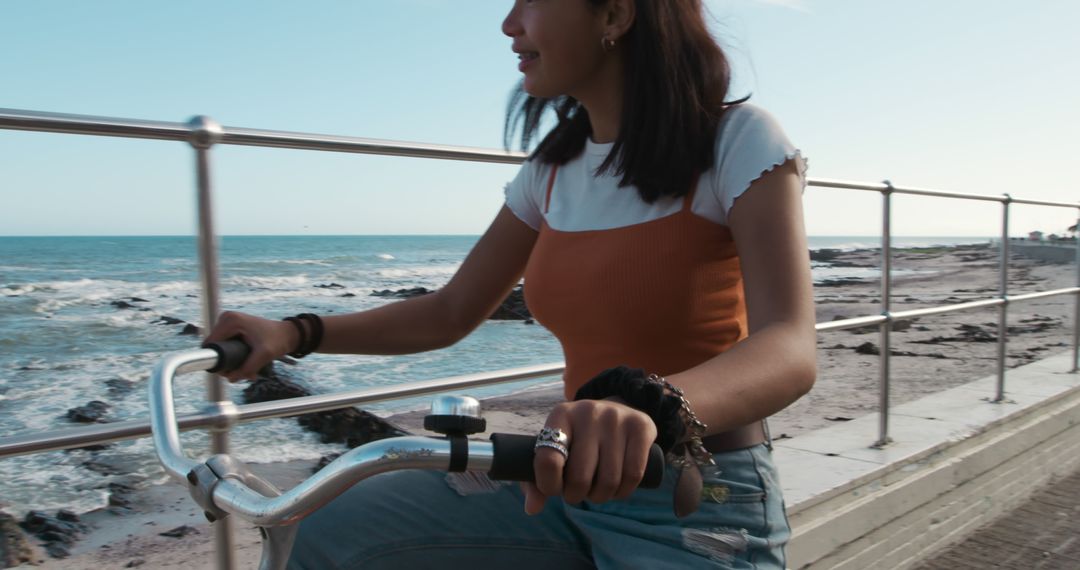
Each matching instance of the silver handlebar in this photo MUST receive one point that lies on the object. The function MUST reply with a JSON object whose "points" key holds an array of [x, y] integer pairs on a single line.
{"points": [[163, 411], [224, 485]]}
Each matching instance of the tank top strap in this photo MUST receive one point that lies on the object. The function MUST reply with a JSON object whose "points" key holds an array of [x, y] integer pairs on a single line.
{"points": [[551, 182], [688, 200]]}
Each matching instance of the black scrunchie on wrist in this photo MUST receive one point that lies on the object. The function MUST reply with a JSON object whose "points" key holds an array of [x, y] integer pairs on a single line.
{"points": [[633, 387]]}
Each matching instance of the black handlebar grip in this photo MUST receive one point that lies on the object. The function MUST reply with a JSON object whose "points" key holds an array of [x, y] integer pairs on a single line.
{"points": [[513, 460], [231, 354]]}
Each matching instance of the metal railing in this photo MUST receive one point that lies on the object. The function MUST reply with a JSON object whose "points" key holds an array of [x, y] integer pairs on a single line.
{"points": [[203, 134]]}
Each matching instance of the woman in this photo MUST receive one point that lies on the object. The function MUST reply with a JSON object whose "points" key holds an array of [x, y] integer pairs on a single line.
{"points": [[659, 231]]}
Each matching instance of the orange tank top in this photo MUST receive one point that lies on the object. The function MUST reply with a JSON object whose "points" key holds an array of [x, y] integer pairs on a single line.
{"points": [[663, 295]]}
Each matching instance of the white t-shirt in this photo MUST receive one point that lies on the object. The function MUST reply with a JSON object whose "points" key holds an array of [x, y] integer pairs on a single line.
{"points": [[751, 143]]}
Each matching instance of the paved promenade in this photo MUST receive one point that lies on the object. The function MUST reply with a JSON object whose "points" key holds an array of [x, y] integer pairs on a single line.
{"points": [[1042, 534]]}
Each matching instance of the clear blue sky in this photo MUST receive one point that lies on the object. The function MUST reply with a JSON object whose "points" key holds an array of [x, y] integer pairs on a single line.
{"points": [[966, 95]]}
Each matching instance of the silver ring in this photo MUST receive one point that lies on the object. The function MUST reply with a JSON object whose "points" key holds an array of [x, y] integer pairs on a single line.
{"points": [[553, 445], [553, 435]]}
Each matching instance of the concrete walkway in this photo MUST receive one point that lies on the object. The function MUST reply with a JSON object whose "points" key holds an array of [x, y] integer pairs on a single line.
{"points": [[1044, 534]]}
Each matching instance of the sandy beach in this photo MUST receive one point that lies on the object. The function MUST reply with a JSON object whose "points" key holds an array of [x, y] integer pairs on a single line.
{"points": [[931, 354]]}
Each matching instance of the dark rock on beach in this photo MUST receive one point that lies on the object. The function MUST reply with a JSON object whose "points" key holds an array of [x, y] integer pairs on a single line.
{"points": [[840, 282], [92, 412], [58, 532], [825, 255], [330, 286], [324, 461], [119, 386], [402, 293], [350, 426], [15, 546], [868, 348], [272, 386], [179, 532], [167, 320], [121, 497], [872, 349], [106, 466], [513, 307]]}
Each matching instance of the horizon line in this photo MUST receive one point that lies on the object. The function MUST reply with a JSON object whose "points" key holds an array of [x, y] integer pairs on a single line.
{"points": [[3, 236]]}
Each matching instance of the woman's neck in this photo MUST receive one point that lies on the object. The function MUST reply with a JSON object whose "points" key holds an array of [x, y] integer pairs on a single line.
{"points": [[603, 101]]}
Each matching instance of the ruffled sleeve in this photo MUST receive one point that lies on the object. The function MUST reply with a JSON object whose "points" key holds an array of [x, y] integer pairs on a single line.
{"points": [[522, 195], [751, 143]]}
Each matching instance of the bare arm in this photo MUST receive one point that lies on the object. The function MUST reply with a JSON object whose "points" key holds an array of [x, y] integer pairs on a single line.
{"points": [[432, 321], [776, 364]]}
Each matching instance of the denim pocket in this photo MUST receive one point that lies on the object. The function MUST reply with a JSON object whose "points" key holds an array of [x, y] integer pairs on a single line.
{"points": [[734, 479]]}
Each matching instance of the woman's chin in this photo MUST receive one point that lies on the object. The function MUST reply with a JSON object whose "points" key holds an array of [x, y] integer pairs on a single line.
{"points": [[536, 90]]}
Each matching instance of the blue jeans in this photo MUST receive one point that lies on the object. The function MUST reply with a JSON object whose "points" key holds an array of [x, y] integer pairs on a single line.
{"points": [[430, 519]]}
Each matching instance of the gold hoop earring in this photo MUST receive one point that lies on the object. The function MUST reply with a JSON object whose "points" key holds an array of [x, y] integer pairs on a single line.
{"points": [[607, 44]]}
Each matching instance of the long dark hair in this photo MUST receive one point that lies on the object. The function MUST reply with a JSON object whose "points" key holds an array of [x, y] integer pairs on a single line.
{"points": [[675, 80]]}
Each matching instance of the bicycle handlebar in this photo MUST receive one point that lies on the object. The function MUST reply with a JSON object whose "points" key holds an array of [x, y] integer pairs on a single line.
{"points": [[223, 485]]}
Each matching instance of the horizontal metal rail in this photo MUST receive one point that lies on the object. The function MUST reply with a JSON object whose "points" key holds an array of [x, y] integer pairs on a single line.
{"points": [[846, 185], [19, 120], [133, 429], [860, 322]]}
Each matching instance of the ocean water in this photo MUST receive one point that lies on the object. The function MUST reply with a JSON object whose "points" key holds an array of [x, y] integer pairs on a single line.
{"points": [[63, 343]]}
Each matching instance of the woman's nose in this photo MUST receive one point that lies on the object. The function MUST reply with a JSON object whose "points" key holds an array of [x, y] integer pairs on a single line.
{"points": [[511, 26]]}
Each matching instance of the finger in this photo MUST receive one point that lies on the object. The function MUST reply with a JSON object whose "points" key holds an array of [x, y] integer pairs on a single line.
{"points": [[257, 356], [256, 359], [584, 454], [635, 458], [224, 328], [609, 468], [534, 499], [548, 463]]}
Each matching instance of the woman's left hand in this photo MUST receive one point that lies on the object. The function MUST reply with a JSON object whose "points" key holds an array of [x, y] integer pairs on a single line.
{"points": [[608, 448]]}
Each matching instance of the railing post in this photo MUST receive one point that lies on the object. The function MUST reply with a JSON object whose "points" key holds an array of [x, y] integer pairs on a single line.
{"points": [[1076, 312], [204, 133], [1003, 292], [886, 327]]}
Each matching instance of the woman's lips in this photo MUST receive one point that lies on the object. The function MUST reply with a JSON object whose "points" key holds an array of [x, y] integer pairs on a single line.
{"points": [[527, 59]]}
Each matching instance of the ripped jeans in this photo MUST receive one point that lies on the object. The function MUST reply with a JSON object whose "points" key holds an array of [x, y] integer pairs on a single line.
{"points": [[429, 519]]}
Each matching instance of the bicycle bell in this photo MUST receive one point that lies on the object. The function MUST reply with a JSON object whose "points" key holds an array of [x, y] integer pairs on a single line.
{"points": [[455, 415]]}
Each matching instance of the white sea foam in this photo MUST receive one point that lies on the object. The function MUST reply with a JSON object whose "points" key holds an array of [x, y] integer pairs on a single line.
{"points": [[852, 246], [172, 286], [17, 290], [56, 295], [385, 256], [418, 272], [305, 262], [62, 483], [266, 282]]}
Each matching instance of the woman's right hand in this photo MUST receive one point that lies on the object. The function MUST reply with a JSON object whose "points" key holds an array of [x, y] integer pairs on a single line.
{"points": [[268, 340]]}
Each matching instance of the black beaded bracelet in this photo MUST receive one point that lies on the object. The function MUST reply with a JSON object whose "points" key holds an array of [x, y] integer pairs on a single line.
{"points": [[633, 386], [300, 328], [317, 330]]}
